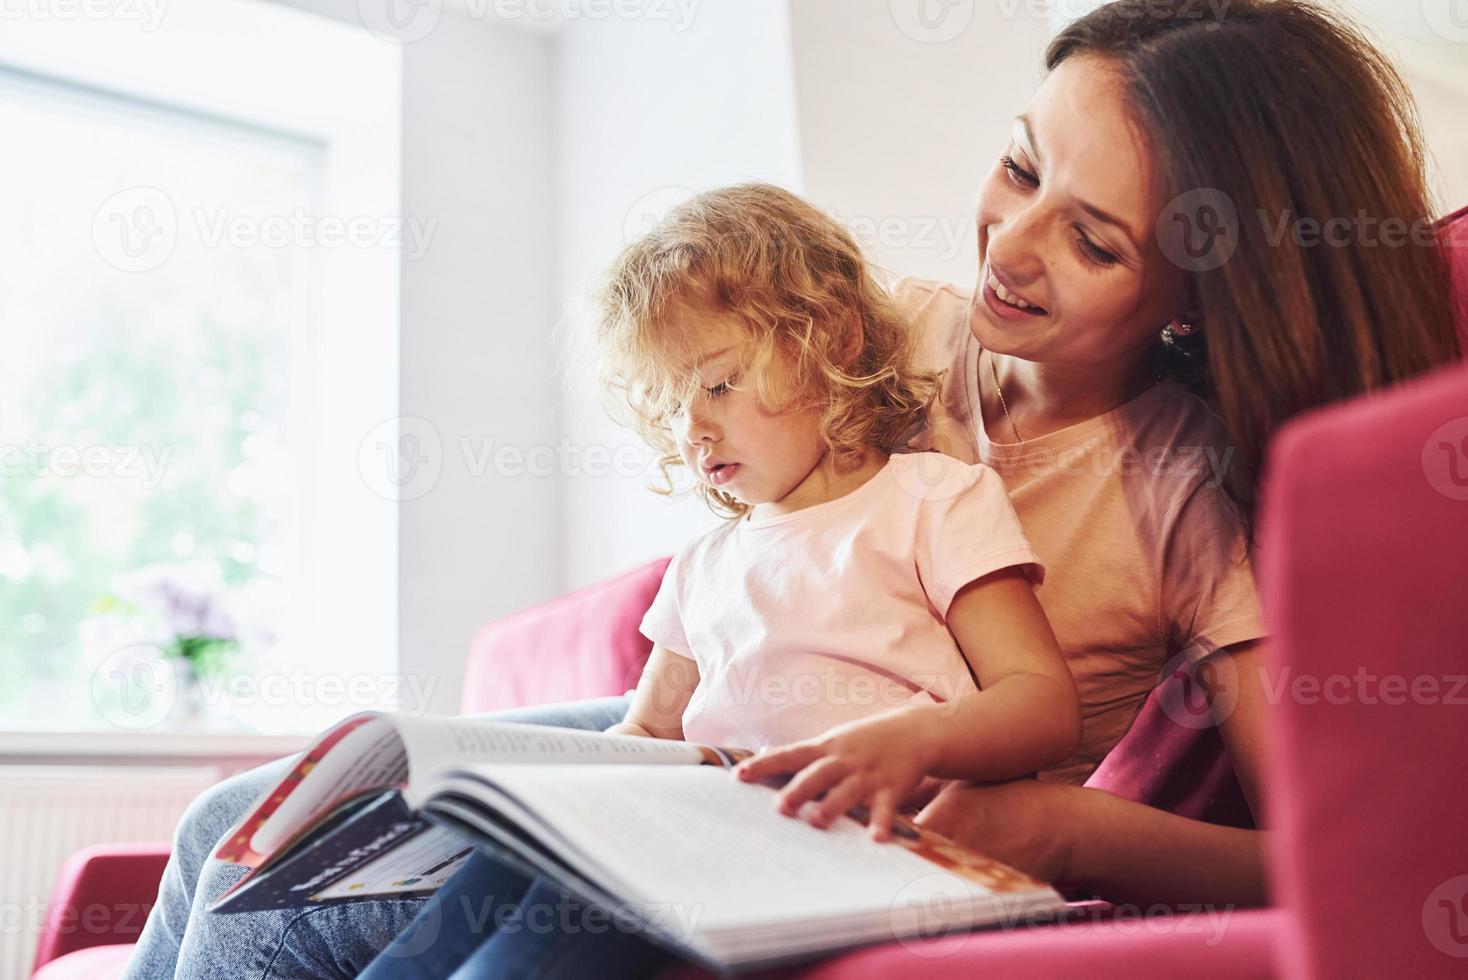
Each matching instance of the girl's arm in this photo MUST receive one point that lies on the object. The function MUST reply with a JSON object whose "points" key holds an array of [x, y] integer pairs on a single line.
{"points": [[1026, 714], [1025, 717], [663, 691], [1121, 850]]}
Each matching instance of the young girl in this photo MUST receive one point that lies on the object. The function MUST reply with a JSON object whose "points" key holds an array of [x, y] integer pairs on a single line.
{"points": [[865, 618]]}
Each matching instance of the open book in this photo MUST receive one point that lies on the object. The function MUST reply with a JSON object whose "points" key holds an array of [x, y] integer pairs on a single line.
{"points": [[657, 832]]}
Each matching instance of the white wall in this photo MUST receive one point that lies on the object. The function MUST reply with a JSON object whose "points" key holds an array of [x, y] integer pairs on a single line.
{"points": [[1440, 85], [898, 119], [477, 362], [1432, 56], [645, 111], [478, 309]]}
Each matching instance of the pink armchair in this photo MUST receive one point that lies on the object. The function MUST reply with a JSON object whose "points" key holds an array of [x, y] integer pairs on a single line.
{"points": [[1365, 549]]}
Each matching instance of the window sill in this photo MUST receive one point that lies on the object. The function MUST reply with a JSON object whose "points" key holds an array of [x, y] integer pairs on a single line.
{"points": [[40, 747]]}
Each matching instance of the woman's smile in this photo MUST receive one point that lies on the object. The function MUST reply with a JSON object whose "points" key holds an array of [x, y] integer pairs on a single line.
{"points": [[1005, 302]]}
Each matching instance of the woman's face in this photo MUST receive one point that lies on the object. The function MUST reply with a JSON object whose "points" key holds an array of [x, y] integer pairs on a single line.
{"points": [[1066, 224]]}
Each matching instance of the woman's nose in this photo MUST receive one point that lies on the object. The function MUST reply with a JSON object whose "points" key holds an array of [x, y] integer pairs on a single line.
{"points": [[1018, 246]]}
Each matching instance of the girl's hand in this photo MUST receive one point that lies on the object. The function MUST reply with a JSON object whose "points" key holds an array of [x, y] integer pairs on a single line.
{"points": [[629, 728], [878, 762], [1026, 824]]}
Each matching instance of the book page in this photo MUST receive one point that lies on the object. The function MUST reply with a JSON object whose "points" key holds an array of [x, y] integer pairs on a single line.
{"points": [[438, 743], [357, 753], [373, 749], [707, 851], [369, 756]]}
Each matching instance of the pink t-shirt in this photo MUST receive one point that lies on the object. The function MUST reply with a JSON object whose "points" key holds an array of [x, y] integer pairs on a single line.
{"points": [[1147, 562], [835, 612]]}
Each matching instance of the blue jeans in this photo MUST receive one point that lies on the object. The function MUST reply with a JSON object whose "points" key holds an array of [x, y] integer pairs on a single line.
{"points": [[182, 939], [491, 922]]}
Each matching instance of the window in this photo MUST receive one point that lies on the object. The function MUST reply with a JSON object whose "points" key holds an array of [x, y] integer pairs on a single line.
{"points": [[201, 294], [145, 420]]}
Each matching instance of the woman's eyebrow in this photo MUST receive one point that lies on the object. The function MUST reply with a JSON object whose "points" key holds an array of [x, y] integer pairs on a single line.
{"points": [[1025, 137], [1109, 219]]}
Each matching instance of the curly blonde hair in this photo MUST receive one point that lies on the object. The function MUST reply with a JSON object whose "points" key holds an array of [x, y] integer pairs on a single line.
{"points": [[818, 321]]}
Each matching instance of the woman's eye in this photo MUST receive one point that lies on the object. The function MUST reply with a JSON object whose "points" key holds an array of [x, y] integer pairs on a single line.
{"points": [[1095, 252], [1019, 174], [1089, 249]]}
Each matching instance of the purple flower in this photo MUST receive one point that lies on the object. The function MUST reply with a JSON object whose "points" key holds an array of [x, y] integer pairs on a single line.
{"points": [[186, 600]]}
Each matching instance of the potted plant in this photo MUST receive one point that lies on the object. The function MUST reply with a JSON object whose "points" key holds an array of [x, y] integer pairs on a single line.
{"points": [[180, 617]]}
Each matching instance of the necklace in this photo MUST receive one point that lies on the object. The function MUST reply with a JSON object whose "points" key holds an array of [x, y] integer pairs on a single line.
{"points": [[994, 372], [999, 389]]}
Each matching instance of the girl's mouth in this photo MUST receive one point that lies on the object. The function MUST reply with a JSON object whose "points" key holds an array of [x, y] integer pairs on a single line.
{"points": [[723, 473]]}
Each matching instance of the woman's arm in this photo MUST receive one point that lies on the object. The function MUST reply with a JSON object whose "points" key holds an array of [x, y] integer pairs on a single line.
{"points": [[1026, 716], [1136, 856], [1121, 850], [663, 691]]}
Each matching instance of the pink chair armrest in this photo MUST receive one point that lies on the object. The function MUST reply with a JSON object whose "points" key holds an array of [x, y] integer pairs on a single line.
{"points": [[1223, 944], [103, 895], [92, 963]]}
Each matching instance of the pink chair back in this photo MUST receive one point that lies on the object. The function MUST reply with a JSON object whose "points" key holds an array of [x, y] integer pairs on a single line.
{"points": [[1365, 546], [581, 645]]}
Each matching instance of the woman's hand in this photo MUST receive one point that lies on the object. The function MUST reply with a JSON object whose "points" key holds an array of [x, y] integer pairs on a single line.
{"points": [[878, 762], [1026, 824]]}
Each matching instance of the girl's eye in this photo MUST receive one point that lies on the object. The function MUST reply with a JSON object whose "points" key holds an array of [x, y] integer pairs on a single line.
{"points": [[1095, 252], [722, 388], [1019, 174]]}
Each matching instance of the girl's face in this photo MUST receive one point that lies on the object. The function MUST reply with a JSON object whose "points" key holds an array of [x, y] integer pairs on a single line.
{"points": [[727, 438], [1066, 225]]}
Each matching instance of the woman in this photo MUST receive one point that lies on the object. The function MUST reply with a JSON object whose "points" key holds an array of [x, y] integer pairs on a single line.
{"points": [[1109, 219]]}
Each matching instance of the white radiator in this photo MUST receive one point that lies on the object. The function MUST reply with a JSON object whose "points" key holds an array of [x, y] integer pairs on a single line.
{"points": [[48, 813]]}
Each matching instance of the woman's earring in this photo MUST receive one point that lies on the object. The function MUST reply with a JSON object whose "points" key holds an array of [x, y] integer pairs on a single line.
{"points": [[1173, 331]]}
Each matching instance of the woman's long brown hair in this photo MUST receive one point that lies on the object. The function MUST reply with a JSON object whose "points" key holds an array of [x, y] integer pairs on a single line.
{"points": [[1291, 113]]}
